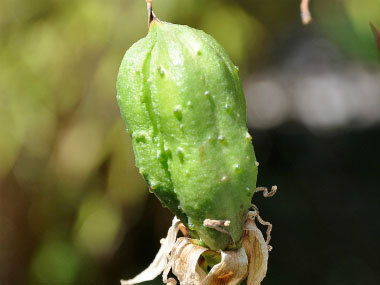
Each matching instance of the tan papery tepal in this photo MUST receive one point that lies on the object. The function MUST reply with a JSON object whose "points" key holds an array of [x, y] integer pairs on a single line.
{"points": [[181, 256]]}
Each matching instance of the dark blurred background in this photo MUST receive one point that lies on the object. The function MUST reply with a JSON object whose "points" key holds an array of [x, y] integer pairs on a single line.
{"points": [[73, 208]]}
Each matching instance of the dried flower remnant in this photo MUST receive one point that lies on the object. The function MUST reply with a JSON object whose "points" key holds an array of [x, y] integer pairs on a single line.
{"points": [[186, 255]]}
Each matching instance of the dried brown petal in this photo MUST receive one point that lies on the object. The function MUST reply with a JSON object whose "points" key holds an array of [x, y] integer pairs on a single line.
{"points": [[230, 271], [184, 260]]}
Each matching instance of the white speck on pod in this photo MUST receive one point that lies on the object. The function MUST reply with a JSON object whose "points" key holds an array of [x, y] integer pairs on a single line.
{"points": [[178, 112], [161, 71]]}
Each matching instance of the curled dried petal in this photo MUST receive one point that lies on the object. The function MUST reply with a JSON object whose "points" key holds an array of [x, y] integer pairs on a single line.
{"points": [[184, 260], [160, 261], [184, 264], [230, 271]]}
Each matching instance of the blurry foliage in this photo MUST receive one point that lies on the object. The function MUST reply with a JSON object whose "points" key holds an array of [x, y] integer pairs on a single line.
{"points": [[347, 23], [69, 190], [56, 262]]}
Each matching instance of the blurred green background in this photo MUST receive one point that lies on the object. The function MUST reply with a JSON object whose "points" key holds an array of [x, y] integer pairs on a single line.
{"points": [[73, 208]]}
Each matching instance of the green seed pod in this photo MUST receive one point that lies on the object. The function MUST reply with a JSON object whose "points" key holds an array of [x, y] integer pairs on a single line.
{"points": [[182, 101]]}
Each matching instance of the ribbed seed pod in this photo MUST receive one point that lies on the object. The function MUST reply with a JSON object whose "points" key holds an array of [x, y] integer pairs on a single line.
{"points": [[182, 101]]}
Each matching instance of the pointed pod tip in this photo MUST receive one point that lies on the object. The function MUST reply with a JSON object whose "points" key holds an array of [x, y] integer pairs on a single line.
{"points": [[151, 15], [152, 19], [154, 22]]}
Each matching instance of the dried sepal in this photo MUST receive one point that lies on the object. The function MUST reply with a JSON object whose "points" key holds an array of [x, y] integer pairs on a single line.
{"points": [[160, 261]]}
